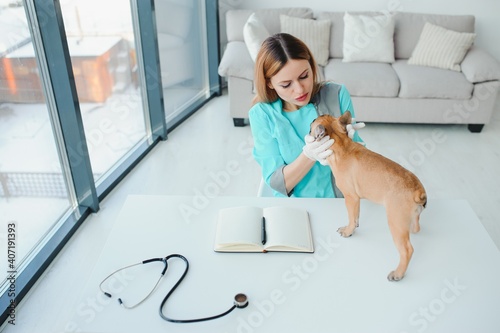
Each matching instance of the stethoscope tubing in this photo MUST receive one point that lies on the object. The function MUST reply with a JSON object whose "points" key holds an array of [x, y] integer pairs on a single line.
{"points": [[164, 301]]}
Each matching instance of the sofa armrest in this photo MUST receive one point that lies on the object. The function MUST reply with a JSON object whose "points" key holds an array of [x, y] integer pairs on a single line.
{"points": [[479, 66], [236, 61]]}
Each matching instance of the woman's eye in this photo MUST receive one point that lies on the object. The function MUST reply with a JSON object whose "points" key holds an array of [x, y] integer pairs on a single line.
{"points": [[303, 77]]}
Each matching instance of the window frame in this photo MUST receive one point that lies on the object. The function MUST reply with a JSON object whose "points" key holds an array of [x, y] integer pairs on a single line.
{"points": [[50, 43]]}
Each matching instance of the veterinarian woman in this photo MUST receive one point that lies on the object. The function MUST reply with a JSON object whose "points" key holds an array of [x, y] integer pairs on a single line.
{"points": [[289, 97]]}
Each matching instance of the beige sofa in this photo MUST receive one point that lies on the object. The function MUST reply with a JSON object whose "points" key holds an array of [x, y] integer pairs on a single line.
{"points": [[393, 92]]}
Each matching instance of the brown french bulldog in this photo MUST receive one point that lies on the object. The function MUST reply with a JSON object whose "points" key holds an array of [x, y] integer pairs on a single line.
{"points": [[363, 174]]}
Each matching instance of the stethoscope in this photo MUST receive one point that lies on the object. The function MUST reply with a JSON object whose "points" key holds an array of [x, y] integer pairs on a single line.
{"points": [[240, 300]]}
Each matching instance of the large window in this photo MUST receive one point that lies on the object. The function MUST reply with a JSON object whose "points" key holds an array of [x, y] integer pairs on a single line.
{"points": [[33, 188], [82, 99], [104, 63], [183, 54]]}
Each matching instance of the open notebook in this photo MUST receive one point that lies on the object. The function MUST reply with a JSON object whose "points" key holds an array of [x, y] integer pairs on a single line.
{"points": [[246, 228]]}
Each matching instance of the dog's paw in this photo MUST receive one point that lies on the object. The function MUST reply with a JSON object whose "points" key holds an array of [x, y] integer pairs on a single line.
{"points": [[394, 277], [345, 231]]}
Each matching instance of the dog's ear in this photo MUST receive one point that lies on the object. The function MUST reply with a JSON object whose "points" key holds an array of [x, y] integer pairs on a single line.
{"points": [[346, 118], [319, 132]]}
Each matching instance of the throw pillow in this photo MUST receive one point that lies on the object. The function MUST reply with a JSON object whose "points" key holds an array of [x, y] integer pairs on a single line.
{"points": [[314, 33], [254, 34], [368, 38], [440, 47]]}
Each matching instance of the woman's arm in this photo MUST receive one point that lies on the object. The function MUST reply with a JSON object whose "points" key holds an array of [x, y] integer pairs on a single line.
{"points": [[266, 151], [295, 171], [279, 175]]}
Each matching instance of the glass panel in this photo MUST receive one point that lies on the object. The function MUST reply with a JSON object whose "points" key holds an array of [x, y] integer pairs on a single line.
{"points": [[102, 49], [33, 191], [183, 53]]}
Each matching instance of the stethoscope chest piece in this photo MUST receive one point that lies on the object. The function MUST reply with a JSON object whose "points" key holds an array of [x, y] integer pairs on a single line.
{"points": [[240, 301]]}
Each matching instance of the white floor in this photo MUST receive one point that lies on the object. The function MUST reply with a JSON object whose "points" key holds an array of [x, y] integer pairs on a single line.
{"points": [[206, 156]]}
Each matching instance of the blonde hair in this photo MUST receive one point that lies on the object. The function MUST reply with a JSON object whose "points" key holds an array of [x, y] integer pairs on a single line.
{"points": [[272, 57]]}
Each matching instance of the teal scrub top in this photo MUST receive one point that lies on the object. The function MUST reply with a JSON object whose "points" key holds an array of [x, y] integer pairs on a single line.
{"points": [[279, 138]]}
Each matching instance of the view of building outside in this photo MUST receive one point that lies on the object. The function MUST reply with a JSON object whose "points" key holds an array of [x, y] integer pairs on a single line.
{"points": [[103, 56]]}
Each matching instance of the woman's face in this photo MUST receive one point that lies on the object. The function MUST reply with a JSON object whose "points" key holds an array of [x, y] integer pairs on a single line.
{"points": [[293, 84]]}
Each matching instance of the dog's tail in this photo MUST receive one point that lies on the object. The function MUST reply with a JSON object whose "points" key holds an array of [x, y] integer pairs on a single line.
{"points": [[421, 201], [420, 198]]}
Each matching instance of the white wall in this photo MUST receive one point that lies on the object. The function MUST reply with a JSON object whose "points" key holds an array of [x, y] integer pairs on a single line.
{"points": [[487, 12]]}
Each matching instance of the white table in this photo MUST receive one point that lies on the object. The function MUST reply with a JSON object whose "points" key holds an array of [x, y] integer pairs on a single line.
{"points": [[452, 284]]}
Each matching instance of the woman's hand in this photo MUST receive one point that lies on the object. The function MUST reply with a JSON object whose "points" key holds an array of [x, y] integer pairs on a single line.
{"points": [[353, 127], [313, 151], [318, 150]]}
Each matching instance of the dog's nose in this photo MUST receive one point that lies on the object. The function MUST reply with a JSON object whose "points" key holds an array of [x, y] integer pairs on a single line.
{"points": [[319, 132]]}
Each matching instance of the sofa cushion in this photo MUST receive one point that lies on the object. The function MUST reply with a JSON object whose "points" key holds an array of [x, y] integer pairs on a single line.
{"points": [[254, 34], [368, 38], [337, 30], [237, 61], [407, 29], [429, 82], [236, 19], [409, 26], [368, 79], [440, 47], [314, 33]]}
